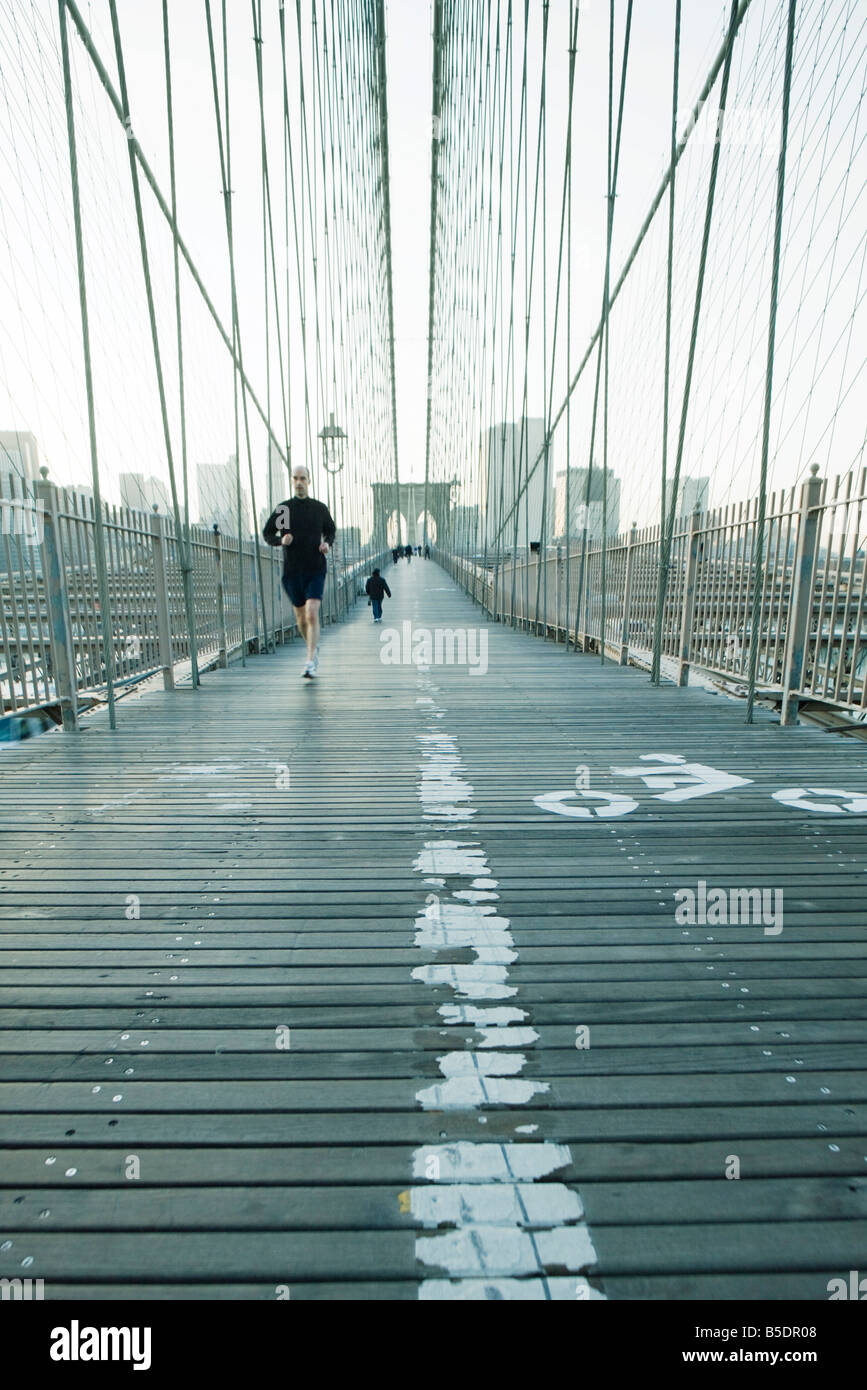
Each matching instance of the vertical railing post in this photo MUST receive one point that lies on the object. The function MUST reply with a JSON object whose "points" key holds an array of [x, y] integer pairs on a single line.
{"points": [[627, 596], [57, 604], [559, 599], [584, 600], [688, 613], [223, 657], [164, 629], [801, 597], [258, 642]]}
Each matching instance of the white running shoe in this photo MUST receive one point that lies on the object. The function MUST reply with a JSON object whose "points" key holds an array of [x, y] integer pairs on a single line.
{"points": [[314, 664]]}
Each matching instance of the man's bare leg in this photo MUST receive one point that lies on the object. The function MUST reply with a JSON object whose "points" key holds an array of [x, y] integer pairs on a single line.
{"points": [[312, 626], [301, 620]]}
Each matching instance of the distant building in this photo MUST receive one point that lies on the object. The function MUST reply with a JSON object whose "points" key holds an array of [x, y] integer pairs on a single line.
{"points": [[583, 511], [466, 528], [19, 471], [218, 498], [142, 494], [19, 455], [693, 495], [509, 452], [279, 481]]}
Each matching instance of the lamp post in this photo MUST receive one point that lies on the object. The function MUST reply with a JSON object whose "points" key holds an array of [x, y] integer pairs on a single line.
{"points": [[333, 446], [334, 441]]}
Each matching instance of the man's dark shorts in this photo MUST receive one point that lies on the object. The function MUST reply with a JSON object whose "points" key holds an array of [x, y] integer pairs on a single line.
{"points": [[301, 587]]}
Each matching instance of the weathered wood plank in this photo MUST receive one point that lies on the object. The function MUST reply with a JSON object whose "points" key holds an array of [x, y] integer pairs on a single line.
{"points": [[638, 1124], [141, 1207], [810, 1066], [831, 1153], [285, 1256]]}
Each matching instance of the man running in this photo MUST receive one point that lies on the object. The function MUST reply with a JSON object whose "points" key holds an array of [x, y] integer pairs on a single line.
{"points": [[306, 531]]}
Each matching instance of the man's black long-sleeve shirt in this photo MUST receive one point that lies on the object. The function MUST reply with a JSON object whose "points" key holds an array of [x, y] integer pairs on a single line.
{"points": [[309, 523]]}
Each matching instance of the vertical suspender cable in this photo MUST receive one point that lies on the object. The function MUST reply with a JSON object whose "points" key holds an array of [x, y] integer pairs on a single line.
{"points": [[225, 175], [269, 222], [665, 558], [484, 457], [509, 368], [182, 538], [573, 56], [289, 178], [603, 613], [606, 311], [656, 666], [386, 213], [523, 141], [759, 539], [316, 238], [257, 575], [436, 119], [542, 564], [494, 511], [270, 501], [186, 550], [99, 539], [565, 207]]}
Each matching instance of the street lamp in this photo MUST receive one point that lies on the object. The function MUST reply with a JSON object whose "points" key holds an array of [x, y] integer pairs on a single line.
{"points": [[333, 447], [334, 441]]}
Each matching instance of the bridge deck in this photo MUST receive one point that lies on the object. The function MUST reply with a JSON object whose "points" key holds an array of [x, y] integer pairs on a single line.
{"points": [[309, 1162]]}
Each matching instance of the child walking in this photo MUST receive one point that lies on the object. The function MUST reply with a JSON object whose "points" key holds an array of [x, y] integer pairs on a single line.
{"points": [[377, 589]]}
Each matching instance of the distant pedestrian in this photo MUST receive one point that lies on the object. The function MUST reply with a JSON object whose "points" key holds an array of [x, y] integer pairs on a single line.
{"points": [[408, 553], [427, 552], [306, 531], [395, 556], [377, 589]]}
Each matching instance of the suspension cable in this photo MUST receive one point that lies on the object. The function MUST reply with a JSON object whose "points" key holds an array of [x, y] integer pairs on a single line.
{"points": [[99, 547], [759, 533], [656, 667], [181, 535]]}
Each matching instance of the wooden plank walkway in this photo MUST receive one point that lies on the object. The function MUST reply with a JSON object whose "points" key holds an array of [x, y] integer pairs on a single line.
{"points": [[303, 993]]}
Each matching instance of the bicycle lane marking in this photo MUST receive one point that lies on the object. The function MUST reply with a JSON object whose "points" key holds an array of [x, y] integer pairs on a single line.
{"points": [[508, 1225]]}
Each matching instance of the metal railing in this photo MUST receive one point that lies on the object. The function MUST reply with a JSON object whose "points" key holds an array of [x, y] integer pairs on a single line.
{"points": [[52, 651], [812, 643]]}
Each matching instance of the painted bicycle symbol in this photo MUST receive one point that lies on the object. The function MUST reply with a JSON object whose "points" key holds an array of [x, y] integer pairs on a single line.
{"points": [[673, 779]]}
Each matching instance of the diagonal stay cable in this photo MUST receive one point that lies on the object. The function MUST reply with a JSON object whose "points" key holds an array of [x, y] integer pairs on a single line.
{"points": [[71, 8], [709, 83]]}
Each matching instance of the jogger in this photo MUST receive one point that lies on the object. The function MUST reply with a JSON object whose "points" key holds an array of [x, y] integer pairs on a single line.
{"points": [[306, 531]]}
